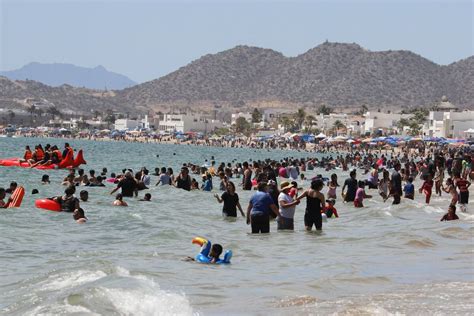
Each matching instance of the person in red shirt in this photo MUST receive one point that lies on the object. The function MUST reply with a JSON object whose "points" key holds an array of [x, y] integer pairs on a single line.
{"points": [[463, 186], [427, 188], [330, 210]]}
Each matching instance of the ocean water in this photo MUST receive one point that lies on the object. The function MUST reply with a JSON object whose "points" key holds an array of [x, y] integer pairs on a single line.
{"points": [[379, 260]]}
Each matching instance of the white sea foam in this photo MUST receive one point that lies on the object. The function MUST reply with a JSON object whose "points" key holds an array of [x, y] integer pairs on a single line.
{"points": [[66, 280]]}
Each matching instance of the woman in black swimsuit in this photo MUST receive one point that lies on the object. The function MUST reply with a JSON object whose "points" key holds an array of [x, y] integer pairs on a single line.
{"points": [[315, 203]]}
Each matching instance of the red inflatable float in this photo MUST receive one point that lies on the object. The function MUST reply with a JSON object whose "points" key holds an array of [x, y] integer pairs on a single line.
{"points": [[47, 204], [67, 162]]}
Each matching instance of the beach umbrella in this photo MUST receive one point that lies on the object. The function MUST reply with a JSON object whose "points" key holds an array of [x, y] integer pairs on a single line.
{"points": [[350, 141], [367, 140], [320, 135]]}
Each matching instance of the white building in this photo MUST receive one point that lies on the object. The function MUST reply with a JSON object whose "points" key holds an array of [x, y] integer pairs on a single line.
{"points": [[386, 122], [449, 124], [188, 123], [246, 115], [127, 124]]}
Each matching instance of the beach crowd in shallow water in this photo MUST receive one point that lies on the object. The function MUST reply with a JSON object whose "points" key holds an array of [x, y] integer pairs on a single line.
{"points": [[277, 195]]}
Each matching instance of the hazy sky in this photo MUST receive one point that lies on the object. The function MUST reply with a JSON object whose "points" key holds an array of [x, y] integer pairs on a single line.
{"points": [[147, 39]]}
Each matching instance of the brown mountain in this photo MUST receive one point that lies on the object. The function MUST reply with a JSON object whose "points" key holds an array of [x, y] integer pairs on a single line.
{"points": [[335, 74], [21, 94], [338, 75]]}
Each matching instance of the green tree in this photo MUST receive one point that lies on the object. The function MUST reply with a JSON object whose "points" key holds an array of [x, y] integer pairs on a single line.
{"points": [[402, 123], [338, 125], [308, 122], [241, 125], [300, 116], [363, 109], [323, 109], [53, 110], [256, 116], [287, 123], [222, 131], [11, 115], [31, 110], [96, 114], [415, 128]]}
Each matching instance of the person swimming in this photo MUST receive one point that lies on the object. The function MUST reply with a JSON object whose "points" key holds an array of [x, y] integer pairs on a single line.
{"points": [[119, 200], [79, 216]]}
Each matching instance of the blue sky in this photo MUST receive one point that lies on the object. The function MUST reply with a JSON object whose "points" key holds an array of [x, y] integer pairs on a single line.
{"points": [[148, 39]]}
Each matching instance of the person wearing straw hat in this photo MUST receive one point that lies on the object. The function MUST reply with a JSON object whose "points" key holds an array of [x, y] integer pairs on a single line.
{"points": [[287, 207]]}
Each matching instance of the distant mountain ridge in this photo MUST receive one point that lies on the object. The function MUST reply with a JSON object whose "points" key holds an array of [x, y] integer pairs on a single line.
{"points": [[340, 75], [58, 74], [343, 76]]}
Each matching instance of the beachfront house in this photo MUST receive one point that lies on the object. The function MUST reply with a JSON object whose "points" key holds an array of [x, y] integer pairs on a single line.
{"points": [[188, 123], [449, 124], [382, 122]]}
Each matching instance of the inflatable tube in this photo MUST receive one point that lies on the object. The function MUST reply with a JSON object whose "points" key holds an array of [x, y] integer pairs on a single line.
{"points": [[111, 180], [79, 160], [47, 204], [17, 197], [67, 161], [10, 163], [48, 167], [325, 217], [203, 256], [254, 182]]}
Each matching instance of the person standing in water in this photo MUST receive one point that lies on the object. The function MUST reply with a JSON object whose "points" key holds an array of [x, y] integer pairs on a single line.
{"points": [[396, 184], [315, 203], [259, 208], [231, 201], [287, 207], [183, 180], [351, 185], [247, 178]]}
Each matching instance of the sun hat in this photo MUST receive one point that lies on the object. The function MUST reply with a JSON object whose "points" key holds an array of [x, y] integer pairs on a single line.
{"points": [[285, 185]]}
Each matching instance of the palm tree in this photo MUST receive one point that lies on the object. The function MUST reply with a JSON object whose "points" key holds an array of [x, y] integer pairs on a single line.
{"points": [[286, 122], [31, 110], [338, 125], [308, 122], [299, 117], [11, 115]]}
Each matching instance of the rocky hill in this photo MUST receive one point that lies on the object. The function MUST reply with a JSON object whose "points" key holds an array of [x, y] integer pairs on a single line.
{"points": [[21, 94], [58, 74], [340, 75]]}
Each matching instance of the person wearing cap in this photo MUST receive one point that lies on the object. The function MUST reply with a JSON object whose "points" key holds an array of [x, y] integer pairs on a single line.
{"points": [[259, 208], [287, 207]]}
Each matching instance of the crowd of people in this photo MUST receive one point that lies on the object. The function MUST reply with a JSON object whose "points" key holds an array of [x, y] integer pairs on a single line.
{"points": [[276, 184]]}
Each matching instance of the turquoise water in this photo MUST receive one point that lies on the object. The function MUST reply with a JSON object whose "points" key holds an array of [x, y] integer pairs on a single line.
{"points": [[128, 261]]}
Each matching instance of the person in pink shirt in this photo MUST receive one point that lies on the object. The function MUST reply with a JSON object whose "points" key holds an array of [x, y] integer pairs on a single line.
{"points": [[361, 195]]}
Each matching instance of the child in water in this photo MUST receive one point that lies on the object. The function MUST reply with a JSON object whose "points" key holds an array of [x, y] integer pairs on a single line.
{"points": [[330, 210], [427, 188], [361, 195], [409, 189], [213, 256], [451, 215]]}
